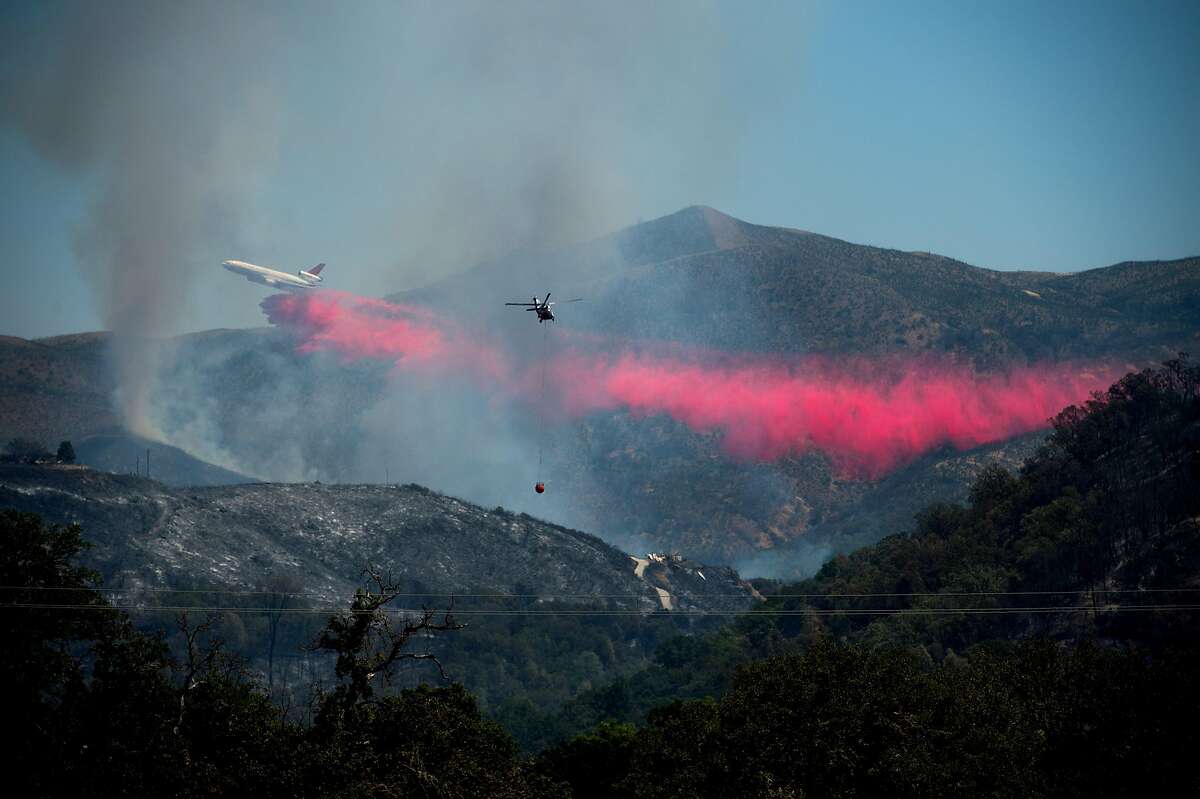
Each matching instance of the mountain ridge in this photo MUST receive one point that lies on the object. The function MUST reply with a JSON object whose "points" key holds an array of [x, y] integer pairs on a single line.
{"points": [[148, 536], [701, 277], [698, 278]]}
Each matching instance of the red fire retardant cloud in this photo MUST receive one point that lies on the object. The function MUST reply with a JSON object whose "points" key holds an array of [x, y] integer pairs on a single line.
{"points": [[867, 424], [356, 327], [868, 415]]}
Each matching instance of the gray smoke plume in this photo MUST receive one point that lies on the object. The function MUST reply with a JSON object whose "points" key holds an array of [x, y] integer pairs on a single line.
{"points": [[524, 125], [411, 141], [428, 137], [149, 105]]}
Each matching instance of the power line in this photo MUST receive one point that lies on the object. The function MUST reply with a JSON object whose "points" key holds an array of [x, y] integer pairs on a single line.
{"points": [[500, 595], [1110, 608]]}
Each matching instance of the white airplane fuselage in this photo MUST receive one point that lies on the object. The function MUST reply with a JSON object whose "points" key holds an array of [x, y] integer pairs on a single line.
{"points": [[273, 277]]}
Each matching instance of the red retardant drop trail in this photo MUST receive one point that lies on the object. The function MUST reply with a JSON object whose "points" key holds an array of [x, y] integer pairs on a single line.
{"points": [[869, 415]]}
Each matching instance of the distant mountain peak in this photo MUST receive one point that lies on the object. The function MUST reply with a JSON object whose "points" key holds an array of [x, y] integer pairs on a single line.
{"points": [[718, 224], [727, 232], [688, 231]]}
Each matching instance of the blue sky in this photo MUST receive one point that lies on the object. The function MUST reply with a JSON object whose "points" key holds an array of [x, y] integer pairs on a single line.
{"points": [[1049, 135], [399, 143]]}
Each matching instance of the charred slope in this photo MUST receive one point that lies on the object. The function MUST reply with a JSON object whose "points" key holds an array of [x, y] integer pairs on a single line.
{"points": [[322, 537], [653, 484]]}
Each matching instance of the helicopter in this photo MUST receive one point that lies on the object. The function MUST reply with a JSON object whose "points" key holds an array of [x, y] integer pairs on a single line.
{"points": [[542, 307]]}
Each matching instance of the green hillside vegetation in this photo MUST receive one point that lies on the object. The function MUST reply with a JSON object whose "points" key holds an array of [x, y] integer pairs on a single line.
{"points": [[847, 721]]}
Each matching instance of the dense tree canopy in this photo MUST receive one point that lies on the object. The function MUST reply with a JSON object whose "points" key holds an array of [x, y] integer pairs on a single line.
{"points": [[843, 721]]}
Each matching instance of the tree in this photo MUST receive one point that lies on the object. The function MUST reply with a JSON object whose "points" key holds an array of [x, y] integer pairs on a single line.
{"points": [[281, 592], [233, 741], [37, 573], [66, 452], [24, 450], [38, 670], [418, 742], [675, 752], [368, 642], [594, 762], [89, 706]]}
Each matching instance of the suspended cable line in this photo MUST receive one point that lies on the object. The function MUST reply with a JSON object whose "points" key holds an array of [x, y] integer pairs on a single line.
{"points": [[918, 611], [502, 595]]}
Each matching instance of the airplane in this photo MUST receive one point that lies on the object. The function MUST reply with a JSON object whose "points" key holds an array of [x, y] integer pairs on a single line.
{"points": [[542, 308], [304, 279]]}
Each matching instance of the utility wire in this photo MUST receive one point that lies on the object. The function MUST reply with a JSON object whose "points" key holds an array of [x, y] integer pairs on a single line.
{"points": [[499, 595], [1110, 608]]}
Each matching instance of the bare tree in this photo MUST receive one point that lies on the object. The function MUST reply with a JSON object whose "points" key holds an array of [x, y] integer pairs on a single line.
{"points": [[370, 639], [198, 662], [281, 593]]}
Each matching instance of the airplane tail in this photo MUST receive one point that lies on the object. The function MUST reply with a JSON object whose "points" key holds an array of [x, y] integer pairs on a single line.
{"points": [[314, 273]]}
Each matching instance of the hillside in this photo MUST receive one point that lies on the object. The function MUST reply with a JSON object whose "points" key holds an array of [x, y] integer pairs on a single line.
{"points": [[322, 536], [304, 547], [701, 277], [55, 388], [1095, 538], [630, 477], [249, 401], [1038, 641], [123, 453], [1106, 514]]}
